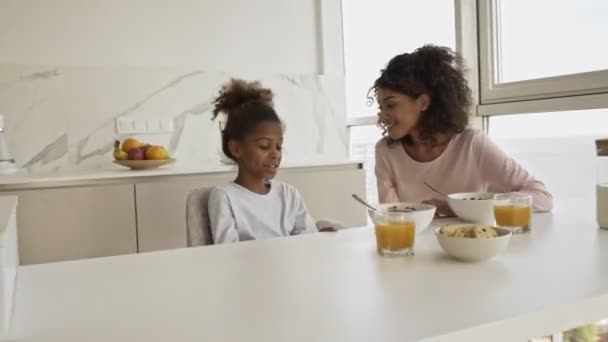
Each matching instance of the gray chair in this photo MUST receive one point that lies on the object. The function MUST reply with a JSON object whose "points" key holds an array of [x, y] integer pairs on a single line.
{"points": [[198, 228]]}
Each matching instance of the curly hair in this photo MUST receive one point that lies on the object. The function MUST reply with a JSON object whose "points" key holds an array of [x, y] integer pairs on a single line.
{"points": [[438, 72], [246, 104]]}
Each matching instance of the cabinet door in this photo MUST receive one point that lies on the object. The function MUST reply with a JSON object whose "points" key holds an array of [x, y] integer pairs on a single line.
{"points": [[328, 194], [76, 223]]}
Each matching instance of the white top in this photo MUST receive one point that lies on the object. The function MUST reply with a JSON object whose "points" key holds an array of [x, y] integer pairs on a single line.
{"points": [[237, 214], [325, 287]]}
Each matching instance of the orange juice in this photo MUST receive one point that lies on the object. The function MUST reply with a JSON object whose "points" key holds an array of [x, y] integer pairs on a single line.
{"points": [[513, 215], [395, 237]]}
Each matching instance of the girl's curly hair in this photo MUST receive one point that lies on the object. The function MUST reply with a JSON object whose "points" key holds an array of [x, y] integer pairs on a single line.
{"points": [[438, 72], [246, 104]]}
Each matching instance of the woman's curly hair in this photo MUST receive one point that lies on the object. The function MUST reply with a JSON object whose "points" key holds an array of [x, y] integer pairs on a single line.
{"points": [[246, 104], [438, 72]]}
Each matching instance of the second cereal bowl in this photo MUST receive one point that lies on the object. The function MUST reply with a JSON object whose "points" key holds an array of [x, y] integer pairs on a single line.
{"points": [[473, 249]]}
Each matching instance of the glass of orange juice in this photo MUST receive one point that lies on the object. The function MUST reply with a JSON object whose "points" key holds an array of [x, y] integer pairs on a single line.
{"points": [[513, 211], [395, 233]]}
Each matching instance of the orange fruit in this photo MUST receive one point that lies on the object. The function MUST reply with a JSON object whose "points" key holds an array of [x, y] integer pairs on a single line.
{"points": [[157, 153], [130, 143]]}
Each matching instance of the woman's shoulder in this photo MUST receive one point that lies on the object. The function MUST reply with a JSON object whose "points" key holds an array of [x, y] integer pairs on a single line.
{"points": [[384, 145], [471, 135]]}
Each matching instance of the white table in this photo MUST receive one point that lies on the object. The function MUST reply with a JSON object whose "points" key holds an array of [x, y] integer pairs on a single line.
{"points": [[325, 287]]}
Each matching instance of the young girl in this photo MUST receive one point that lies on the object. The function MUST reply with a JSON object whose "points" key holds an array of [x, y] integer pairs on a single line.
{"points": [[424, 105], [253, 206]]}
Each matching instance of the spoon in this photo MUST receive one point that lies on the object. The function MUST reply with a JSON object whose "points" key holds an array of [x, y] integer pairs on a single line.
{"points": [[437, 191], [362, 201]]}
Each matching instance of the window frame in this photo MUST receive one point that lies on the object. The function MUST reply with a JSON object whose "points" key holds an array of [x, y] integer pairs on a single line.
{"points": [[492, 92]]}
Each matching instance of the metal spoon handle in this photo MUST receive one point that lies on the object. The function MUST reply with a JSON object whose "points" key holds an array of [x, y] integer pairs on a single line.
{"points": [[362, 201], [437, 191]]}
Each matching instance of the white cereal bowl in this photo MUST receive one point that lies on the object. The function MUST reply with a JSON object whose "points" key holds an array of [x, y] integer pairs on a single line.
{"points": [[422, 215], [475, 207], [473, 250]]}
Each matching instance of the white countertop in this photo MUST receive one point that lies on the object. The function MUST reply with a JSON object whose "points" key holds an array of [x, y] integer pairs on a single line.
{"points": [[115, 173], [325, 287]]}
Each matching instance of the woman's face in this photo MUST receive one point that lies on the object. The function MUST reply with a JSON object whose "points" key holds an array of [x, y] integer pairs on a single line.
{"points": [[400, 113]]}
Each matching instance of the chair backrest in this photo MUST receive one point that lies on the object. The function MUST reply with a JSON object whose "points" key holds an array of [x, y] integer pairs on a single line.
{"points": [[197, 218]]}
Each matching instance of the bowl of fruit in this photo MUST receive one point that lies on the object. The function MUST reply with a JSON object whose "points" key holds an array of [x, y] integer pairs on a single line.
{"points": [[138, 155]]}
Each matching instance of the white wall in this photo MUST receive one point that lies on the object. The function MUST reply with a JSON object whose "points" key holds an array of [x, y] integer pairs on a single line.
{"points": [[213, 35], [69, 68]]}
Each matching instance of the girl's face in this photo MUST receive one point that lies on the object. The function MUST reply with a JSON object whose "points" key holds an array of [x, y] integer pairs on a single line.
{"points": [[400, 113], [259, 153]]}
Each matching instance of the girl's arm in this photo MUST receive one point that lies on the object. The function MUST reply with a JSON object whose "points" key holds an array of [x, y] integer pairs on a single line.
{"points": [[221, 217]]}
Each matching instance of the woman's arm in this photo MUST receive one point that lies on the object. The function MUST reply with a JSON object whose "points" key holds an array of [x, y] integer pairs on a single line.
{"points": [[498, 169], [387, 191]]}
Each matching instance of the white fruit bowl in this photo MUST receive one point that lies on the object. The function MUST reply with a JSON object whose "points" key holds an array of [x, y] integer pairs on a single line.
{"points": [[422, 215], [144, 164], [475, 207], [474, 250]]}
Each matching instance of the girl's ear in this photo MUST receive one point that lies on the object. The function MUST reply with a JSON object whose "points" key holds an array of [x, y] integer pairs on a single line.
{"points": [[235, 148], [424, 101]]}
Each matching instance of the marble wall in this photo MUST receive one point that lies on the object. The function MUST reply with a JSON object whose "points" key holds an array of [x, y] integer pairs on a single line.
{"points": [[63, 119]]}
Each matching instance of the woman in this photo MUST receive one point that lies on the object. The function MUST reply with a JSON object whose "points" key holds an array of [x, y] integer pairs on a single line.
{"points": [[424, 103]]}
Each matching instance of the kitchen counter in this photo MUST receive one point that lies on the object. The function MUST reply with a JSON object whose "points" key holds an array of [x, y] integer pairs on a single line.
{"points": [[115, 174], [326, 287]]}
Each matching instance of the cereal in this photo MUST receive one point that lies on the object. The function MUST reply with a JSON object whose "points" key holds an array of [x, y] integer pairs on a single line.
{"points": [[396, 209], [471, 231]]}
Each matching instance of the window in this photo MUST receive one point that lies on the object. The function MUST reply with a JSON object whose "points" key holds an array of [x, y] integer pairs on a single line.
{"points": [[553, 48], [542, 48], [558, 148], [375, 31]]}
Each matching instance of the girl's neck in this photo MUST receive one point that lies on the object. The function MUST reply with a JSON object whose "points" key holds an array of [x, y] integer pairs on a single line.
{"points": [[253, 184]]}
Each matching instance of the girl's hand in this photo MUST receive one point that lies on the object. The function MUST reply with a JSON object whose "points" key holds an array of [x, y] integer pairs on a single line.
{"points": [[325, 226], [443, 209]]}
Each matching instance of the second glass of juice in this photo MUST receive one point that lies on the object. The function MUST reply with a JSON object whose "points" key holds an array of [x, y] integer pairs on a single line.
{"points": [[395, 233], [513, 211]]}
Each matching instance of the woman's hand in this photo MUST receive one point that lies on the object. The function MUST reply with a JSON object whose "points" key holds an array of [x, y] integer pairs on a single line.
{"points": [[443, 209]]}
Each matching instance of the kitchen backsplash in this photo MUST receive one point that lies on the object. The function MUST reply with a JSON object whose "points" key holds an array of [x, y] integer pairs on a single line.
{"points": [[63, 119]]}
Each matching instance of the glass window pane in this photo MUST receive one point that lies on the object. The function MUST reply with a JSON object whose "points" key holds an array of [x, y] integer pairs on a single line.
{"points": [[544, 38], [558, 148], [375, 31], [362, 146]]}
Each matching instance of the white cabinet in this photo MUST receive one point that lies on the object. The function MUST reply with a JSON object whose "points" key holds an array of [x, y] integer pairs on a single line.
{"points": [[161, 206], [328, 194], [149, 213], [75, 223]]}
